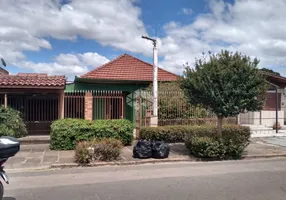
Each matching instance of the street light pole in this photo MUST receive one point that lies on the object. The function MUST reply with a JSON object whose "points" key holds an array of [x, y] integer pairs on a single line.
{"points": [[154, 121]]}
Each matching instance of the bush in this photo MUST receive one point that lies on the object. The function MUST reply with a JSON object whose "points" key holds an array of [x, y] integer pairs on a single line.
{"points": [[204, 142], [83, 153], [205, 147], [11, 123], [164, 133], [107, 149], [66, 133]]}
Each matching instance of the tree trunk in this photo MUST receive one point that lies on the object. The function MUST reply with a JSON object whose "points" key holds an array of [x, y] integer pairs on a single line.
{"points": [[219, 124]]}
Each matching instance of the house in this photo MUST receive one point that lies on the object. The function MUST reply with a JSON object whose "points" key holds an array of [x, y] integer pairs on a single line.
{"points": [[267, 116], [38, 97], [110, 90]]}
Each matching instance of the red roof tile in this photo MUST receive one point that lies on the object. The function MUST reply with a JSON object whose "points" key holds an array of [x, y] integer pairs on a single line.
{"points": [[23, 80], [127, 67]]}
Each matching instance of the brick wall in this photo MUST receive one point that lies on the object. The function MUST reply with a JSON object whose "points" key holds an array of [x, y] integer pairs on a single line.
{"points": [[88, 106]]}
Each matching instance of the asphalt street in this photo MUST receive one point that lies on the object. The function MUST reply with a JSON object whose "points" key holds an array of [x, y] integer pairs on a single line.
{"points": [[231, 180]]}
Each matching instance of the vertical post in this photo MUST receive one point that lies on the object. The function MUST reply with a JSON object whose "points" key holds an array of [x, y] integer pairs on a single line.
{"points": [[88, 106], [155, 82], [154, 119], [61, 104], [5, 100], [276, 88], [138, 116]]}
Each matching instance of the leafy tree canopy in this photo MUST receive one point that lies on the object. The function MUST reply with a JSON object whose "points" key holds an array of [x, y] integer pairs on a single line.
{"points": [[226, 83]]}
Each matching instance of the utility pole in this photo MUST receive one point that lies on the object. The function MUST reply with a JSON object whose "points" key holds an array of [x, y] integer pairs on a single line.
{"points": [[154, 119]]}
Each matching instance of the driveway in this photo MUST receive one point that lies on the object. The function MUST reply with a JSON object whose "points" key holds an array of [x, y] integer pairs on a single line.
{"points": [[279, 141]]}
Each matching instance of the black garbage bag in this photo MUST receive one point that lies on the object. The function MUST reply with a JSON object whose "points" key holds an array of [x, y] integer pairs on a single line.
{"points": [[142, 149], [160, 150]]}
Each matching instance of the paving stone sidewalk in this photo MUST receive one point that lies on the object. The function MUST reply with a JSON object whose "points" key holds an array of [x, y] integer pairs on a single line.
{"points": [[41, 157]]}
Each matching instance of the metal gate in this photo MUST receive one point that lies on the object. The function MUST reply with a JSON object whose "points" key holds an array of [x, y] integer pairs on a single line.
{"points": [[38, 110]]}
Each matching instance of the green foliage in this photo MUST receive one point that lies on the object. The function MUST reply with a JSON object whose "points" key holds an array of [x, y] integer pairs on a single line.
{"points": [[66, 133], [11, 123], [83, 153], [204, 142], [205, 147], [173, 104], [164, 133], [107, 149], [226, 83]]}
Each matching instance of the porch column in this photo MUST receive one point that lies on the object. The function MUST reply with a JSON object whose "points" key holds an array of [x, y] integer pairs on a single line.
{"points": [[5, 101], [88, 106], [62, 104]]}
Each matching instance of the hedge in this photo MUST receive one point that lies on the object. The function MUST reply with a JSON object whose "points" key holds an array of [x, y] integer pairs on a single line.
{"points": [[203, 141], [178, 133], [165, 133], [66, 133]]}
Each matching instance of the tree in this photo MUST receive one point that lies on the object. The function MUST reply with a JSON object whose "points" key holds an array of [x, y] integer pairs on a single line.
{"points": [[270, 71], [226, 83]]}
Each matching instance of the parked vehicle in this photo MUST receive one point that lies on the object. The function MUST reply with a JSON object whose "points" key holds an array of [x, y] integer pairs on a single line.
{"points": [[9, 147]]}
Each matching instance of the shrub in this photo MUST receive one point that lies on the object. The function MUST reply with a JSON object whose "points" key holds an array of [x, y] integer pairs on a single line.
{"points": [[204, 142], [66, 133], [164, 133], [83, 153], [107, 149], [205, 147], [11, 123]]}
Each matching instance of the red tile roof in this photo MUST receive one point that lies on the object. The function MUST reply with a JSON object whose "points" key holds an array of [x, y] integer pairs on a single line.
{"points": [[129, 68], [23, 80]]}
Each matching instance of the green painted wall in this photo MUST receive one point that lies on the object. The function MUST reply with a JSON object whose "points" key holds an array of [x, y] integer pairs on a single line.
{"points": [[105, 86], [98, 104]]}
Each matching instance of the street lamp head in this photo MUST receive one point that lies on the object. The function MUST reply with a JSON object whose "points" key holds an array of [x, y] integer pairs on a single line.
{"points": [[151, 39], [145, 37], [3, 62]]}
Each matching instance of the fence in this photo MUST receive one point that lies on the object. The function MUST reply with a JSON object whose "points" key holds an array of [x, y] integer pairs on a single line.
{"points": [[38, 110], [105, 104], [74, 104], [174, 109]]}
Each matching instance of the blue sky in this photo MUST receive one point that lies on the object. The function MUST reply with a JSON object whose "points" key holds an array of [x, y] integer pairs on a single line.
{"points": [[73, 37]]}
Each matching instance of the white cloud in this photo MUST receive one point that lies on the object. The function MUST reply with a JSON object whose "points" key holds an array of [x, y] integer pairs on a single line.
{"points": [[187, 11], [93, 59], [26, 25], [253, 27], [68, 64]]}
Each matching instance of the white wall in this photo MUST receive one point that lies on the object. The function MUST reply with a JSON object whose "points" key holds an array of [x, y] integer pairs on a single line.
{"points": [[264, 117]]}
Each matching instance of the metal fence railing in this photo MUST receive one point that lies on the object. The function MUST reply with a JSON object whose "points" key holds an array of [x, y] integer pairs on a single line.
{"points": [[174, 109], [105, 104]]}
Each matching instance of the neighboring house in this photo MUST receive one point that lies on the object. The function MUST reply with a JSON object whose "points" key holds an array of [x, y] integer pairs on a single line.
{"points": [[267, 116], [38, 97], [110, 90], [3, 71]]}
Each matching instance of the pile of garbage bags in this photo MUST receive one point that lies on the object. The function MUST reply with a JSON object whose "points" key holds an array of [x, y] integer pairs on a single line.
{"points": [[146, 149]]}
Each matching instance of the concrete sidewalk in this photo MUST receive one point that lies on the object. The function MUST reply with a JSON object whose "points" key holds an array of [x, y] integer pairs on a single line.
{"points": [[39, 156]]}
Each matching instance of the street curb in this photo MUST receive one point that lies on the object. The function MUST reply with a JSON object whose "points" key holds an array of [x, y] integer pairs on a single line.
{"points": [[264, 156], [156, 161], [124, 163]]}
